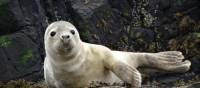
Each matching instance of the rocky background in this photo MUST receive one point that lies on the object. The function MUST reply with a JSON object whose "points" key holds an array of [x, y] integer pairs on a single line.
{"points": [[128, 25]]}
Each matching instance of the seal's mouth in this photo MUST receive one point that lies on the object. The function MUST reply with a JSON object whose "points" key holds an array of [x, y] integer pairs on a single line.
{"points": [[65, 46], [65, 43]]}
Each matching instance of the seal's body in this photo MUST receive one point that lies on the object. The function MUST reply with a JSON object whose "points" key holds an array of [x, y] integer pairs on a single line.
{"points": [[72, 63]]}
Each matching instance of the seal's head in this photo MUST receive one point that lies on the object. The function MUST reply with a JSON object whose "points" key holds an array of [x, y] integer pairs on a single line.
{"points": [[61, 37]]}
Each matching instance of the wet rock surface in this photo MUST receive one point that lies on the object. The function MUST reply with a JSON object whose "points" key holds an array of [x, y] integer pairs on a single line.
{"points": [[195, 85], [128, 25]]}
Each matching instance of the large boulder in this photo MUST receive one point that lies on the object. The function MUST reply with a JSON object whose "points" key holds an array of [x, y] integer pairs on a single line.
{"points": [[128, 25], [21, 46]]}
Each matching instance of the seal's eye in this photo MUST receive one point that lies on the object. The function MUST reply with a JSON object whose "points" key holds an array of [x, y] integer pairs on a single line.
{"points": [[53, 33], [72, 31]]}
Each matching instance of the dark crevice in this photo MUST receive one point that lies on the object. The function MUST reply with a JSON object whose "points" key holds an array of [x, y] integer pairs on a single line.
{"points": [[28, 74]]}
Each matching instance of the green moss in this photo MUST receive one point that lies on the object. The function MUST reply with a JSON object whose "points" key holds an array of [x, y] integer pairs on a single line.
{"points": [[197, 34], [124, 39], [187, 44], [105, 12], [3, 1], [179, 83], [183, 83], [152, 47], [5, 41], [126, 13], [26, 56], [85, 33], [148, 18], [180, 2], [108, 13]]}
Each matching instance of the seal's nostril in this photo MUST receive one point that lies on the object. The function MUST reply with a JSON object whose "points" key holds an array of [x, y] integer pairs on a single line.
{"points": [[65, 36]]}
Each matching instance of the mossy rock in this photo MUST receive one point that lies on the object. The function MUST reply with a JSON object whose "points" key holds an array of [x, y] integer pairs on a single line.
{"points": [[5, 41], [22, 84]]}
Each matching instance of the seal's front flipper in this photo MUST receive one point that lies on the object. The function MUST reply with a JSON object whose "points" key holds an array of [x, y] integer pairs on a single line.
{"points": [[128, 74], [124, 71]]}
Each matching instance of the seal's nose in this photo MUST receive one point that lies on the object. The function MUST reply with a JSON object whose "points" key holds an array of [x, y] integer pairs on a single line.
{"points": [[65, 37]]}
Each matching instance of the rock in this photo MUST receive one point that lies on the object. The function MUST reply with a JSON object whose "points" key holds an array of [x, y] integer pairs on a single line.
{"points": [[98, 21], [7, 22], [128, 25], [20, 57], [194, 85], [22, 52], [195, 63]]}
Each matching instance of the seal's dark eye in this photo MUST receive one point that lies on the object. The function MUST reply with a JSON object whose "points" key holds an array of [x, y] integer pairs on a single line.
{"points": [[72, 31], [53, 33]]}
